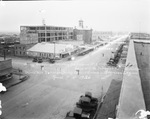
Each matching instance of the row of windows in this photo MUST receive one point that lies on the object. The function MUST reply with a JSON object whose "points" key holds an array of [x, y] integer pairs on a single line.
{"points": [[54, 34], [20, 53], [56, 38], [21, 48], [46, 55]]}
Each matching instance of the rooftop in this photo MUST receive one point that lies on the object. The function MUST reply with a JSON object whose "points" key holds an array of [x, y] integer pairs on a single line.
{"points": [[45, 47]]}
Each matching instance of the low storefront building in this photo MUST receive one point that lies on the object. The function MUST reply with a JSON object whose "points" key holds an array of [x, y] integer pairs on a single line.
{"points": [[51, 50]]}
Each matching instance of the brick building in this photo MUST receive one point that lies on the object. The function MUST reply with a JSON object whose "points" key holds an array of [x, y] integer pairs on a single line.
{"points": [[20, 49], [83, 34]]}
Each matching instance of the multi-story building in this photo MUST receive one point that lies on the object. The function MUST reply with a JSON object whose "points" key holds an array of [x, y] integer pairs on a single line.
{"points": [[35, 34], [83, 34]]}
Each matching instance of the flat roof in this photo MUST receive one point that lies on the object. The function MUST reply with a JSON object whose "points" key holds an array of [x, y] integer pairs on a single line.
{"points": [[45, 26], [141, 41], [131, 96], [45, 47]]}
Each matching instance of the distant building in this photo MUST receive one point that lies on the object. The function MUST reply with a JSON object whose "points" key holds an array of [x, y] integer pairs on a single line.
{"points": [[102, 35], [51, 50], [82, 34], [143, 36], [35, 34]]}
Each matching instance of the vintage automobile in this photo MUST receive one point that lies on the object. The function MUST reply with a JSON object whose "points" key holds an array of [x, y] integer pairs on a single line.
{"points": [[111, 62], [35, 59], [77, 113], [87, 104], [40, 60], [52, 60], [85, 109]]}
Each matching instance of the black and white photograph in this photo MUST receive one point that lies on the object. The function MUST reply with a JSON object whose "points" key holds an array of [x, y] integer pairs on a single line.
{"points": [[75, 59]]}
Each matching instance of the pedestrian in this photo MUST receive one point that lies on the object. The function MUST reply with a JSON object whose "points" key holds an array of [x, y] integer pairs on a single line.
{"points": [[42, 67], [127, 64], [78, 71], [103, 54]]}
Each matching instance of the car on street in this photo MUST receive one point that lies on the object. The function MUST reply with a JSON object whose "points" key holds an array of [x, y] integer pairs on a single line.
{"points": [[52, 60], [40, 60], [35, 59]]}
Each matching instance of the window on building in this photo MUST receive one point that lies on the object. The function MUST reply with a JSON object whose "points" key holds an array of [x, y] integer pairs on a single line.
{"points": [[42, 34], [48, 34], [42, 28], [20, 52], [32, 28], [48, 39], [47, 28], [42, 39]]}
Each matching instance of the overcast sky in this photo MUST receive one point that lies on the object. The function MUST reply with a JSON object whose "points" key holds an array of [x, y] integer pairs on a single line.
{"points": [[101, 15]]}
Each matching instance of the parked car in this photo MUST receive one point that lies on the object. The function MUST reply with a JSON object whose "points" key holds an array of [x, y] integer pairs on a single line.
{"points": [[35, 59], [40, 60], [85, 109], [77, 113], [52, 60]]}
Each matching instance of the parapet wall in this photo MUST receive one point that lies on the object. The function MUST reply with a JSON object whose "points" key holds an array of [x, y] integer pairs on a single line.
{"points": [[131, 97]]}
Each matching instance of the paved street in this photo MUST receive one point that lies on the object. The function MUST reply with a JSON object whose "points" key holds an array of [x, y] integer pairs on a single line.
{"points": [[53, 90]]}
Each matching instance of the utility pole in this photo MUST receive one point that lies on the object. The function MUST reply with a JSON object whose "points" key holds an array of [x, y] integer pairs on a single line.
{"points": [[4, 50], [44, 28], [42, 12], [54, 49]]}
